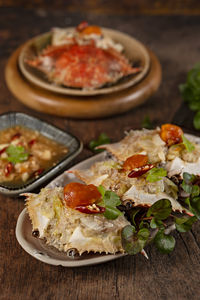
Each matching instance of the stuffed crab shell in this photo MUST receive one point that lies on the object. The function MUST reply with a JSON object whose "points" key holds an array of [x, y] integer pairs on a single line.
{"points": [[64, 227]]}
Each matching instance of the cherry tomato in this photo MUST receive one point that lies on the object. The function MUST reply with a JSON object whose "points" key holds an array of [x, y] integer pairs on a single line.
{"points": [[91, 209], [78, 194], [137, 172], [171, 134], [135, 161]]}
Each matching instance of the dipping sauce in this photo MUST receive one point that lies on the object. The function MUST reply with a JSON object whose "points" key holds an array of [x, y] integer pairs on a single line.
{"points": [[25, 154]]}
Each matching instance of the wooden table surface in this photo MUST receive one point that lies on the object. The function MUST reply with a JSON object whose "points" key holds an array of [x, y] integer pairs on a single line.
{"points": [[176, 42]]}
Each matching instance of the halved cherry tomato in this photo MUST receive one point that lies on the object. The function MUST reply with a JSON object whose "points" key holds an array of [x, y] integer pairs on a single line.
{"points": [[135, 161], [171, 134], [137, 172], [78, 194], [8, 169], [91, 209]]}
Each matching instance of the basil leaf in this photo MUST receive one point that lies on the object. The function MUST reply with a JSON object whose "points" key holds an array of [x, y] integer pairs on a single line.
{"points": [[146, 123], [188, 145], [16, 154], [161, 209], [133, 242], [186, 187], [156, 174], [164, 243], [102, 139], [184, 224]]}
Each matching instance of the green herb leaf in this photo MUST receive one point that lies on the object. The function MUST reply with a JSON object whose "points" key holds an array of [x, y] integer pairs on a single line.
{"points": [[16, 154], [156, 223], [189, 178], [190, 92], [161, 209], [196, 120], [146, 123], [110, 200], [184, 224], [133, 242], [188, 145], [164, 243], [134, 213], [102, 139], [195, 206], [156, 174]]}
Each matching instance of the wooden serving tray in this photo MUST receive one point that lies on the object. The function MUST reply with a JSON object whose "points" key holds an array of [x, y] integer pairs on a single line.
{"points": [[86, 107]]}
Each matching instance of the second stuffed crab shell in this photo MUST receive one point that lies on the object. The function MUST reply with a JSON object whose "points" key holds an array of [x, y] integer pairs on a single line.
{"points": [[65, 228]]}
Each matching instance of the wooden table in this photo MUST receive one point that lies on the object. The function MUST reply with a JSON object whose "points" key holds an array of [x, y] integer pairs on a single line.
{"points": [[176, 276]]}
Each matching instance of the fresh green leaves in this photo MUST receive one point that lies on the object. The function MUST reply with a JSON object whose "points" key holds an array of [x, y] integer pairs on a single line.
{"points": [[110, 201], [102, 139], [193, 193], [164, 243], [16, 154], [190, 92], [133, 242], [146, 123], [161, 209], [184, 224], [156, 174], [196, 120], [188, 145]]}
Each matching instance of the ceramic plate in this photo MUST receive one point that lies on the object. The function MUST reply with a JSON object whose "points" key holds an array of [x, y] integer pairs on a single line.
{"points": [[74, 146], [38, 249], [134, 50]]}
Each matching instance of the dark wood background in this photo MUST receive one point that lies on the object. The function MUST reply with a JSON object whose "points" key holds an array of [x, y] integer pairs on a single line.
{"points": [[175, 40], [128, 7]]}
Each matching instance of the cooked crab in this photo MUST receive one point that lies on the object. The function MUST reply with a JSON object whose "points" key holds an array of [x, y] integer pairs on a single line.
{"points": [[83, 59], [64, 228]]}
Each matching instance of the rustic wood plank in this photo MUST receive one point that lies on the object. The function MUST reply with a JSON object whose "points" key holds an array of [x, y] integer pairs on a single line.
{"points": [[175, 276]]}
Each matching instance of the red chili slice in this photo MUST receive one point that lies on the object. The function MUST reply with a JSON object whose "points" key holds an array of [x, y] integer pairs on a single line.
{"points": [[8, 169], [3, 150], [15, 136], [91, 209], [137, 172], [31, 142], [38, 172]]}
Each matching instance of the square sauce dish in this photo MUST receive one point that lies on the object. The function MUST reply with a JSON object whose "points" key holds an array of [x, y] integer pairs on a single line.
{"points": [[31, 152]]}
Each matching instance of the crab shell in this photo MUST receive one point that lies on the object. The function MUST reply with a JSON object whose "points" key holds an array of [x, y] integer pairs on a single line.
{"points": [[139, 142], [65, 228]]}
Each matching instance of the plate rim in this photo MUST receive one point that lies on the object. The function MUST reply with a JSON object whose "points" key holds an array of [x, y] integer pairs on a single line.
{"points": [[34, 79]]}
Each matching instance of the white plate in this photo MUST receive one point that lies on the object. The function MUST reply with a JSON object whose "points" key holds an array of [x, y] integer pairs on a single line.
{"points": [[38, 249]]}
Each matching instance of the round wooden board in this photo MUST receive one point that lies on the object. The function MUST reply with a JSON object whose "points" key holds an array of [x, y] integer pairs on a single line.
{"points": [[81, 107]]}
